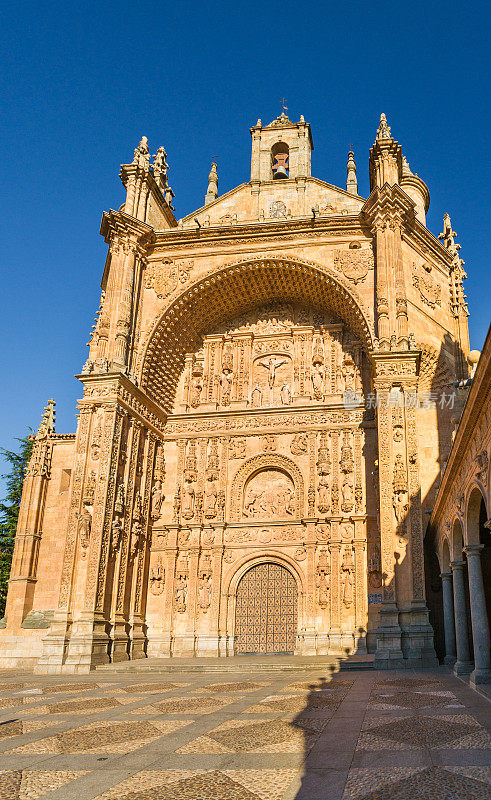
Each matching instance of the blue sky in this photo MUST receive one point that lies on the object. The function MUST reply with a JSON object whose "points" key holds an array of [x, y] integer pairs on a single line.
{"points": [[82, 82]]}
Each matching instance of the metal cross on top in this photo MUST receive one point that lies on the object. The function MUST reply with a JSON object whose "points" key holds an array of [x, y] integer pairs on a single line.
{"points": [[283, 101]]}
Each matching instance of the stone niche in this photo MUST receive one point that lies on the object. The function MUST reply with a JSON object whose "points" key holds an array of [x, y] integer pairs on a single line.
{"points": [[269, 494]]}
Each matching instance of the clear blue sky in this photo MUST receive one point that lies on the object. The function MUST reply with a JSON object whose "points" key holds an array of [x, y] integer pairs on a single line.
{"points": [[82, 82]]}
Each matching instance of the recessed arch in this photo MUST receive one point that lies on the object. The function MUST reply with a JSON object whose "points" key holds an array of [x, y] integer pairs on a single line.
{"points": [[230, 291], [457, 541], [257, 464], [474, 515]]}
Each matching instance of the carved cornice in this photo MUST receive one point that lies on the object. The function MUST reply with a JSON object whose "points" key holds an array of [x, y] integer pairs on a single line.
{"points": [[116, 389], [118, 223]]}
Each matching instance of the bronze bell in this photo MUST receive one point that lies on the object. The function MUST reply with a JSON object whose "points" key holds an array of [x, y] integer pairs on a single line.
{"points": [[280, 167], [280, 172]]}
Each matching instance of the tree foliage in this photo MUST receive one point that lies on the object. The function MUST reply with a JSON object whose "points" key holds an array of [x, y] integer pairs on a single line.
{"points": [[9, 508]]}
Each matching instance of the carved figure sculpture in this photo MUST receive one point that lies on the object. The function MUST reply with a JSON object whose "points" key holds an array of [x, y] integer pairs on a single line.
{"points": [[157, 498], [299, 444], [84, 525], [204, 592], [226, 382], [317, 378], [256, 396], [188, 500], [210, 500], [285, 395], [195, 391], [271, 365], [181, 595], [116, 534], [323, 494]]}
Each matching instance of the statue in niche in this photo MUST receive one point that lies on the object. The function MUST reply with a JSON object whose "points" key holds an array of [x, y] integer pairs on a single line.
{"points": [[299, 444], [317, 378], [271, 365], [347, 494], [195, 391], [116, 534], [375, 568], [322, 583], [136, 537], [210, 499], [204, 592], [348, 372], [256, 396], [285, 395], [226, 382], [84, 526], [400, 493], [157, 498], [188, 499], [323, 494], [181, 593]]}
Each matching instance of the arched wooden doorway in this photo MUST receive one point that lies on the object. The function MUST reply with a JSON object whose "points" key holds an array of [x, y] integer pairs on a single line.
{"points": [[266, 610]]}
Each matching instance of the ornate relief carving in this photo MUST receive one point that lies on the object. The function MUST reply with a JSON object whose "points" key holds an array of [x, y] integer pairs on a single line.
{"points": [[429, 289], [269, 495], [354, 264], [399, 485], [165, 276], [84, 525], [323, 470], [268, 443], [300, 443], [157, 577], [237, 447], [323, 578]]}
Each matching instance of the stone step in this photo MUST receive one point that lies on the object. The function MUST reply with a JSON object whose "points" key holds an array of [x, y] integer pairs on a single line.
{"points": [[246, 663]]}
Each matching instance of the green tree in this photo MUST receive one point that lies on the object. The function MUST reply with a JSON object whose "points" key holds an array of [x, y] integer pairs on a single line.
{"points": [[9, 509]]}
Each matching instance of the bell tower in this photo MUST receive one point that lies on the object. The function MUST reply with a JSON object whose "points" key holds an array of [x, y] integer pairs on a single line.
{"points": [[281, 150]]}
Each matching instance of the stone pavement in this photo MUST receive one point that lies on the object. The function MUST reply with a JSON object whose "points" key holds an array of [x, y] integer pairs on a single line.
{"points": [[243, 735]]}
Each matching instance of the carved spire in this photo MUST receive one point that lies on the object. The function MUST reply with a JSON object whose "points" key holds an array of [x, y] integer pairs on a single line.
{"points": [[383, 131], [142, 154], [212, 192], [406, 172], [351, 182], [47, 425], [448, 236]]}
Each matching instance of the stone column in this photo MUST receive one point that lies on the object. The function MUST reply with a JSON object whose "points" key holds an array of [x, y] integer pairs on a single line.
{"points": [[448, 615], [480, 625], [463, 665]]}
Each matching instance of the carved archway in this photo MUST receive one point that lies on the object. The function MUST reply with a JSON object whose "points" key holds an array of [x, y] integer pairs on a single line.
{"points": [[255, 465], [230, 291]]}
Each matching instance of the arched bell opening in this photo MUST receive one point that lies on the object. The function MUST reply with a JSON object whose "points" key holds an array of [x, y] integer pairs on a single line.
{"points": [[280, 161]]}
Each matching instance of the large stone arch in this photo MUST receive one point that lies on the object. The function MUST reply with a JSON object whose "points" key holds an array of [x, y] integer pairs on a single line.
{"points": [[229, 291], [261, 462], [475, 497]]}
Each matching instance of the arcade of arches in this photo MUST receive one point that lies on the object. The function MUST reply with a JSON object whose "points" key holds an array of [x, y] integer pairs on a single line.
{"points": [[255, 460]]}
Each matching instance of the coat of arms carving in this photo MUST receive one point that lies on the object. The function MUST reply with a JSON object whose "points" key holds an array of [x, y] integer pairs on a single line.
{"points": [[354, 264], [430, 291], [165, 277]]}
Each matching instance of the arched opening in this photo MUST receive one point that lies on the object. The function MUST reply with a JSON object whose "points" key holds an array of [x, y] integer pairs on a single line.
{"points": [[280, 155], [477, 533], [266, 610]]}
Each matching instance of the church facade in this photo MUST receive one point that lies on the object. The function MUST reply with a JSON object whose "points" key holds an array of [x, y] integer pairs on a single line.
{"points": [[265, 415]]}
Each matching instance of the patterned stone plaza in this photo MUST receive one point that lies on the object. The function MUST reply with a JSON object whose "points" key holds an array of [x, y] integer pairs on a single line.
{"points": [[244, 735]]}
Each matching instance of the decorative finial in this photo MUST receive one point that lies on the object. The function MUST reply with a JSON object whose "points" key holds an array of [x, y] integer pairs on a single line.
{"points": [[142, 154], [212, 192], [47, 425], [258, 123], [284, 107], [406, 172], [351, 181], [302, 118], [383, 131]]}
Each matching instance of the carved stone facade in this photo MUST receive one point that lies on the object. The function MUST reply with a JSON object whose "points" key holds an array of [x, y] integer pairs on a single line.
{"points": [[239, 410]]}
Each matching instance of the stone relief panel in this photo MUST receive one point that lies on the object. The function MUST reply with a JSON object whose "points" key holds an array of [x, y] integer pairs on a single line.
{"points": [[278, 355], [269, 494]]}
